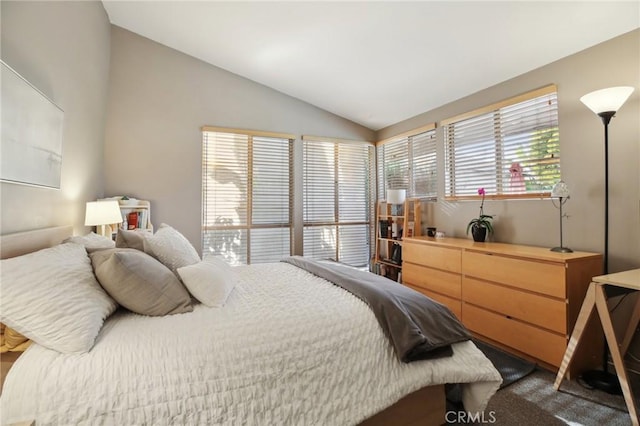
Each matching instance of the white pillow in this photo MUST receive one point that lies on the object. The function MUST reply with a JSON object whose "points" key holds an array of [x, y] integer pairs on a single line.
{"points": [[171, 248], [92, 242], [210, 281], [52, 297]]}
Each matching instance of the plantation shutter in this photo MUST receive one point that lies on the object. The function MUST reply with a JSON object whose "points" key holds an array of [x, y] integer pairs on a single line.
{"points": [[337, 200], [408, 162], [510, 149], [423, 166], [247, 195]]}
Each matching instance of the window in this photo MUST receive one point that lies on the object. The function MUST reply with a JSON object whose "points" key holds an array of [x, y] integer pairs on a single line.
{"points": [[246, 195], [408, 162], [511, 149], [338, 188]]}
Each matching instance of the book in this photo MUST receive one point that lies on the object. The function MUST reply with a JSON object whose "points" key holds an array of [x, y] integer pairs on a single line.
{"points": [[132, 220], [396, 255], [384, 228], [410, 227]]}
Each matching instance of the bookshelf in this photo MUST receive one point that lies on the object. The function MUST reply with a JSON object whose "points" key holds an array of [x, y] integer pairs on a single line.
{"points": [[393, 222], [136, 214]]}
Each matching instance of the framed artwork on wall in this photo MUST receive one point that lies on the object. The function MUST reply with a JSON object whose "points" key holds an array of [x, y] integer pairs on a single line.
{"points": [[31, 139]]}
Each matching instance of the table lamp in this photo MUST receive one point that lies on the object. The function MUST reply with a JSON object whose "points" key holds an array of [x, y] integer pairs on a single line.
{"points": [[102, 213], [396, 197]]}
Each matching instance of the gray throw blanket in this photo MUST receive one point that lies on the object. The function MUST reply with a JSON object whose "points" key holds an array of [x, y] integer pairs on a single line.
{"points": [[417, 326]]}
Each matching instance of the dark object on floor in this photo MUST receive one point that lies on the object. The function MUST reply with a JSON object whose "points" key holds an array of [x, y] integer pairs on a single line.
{"points": [[511, 369], [602, 380]]}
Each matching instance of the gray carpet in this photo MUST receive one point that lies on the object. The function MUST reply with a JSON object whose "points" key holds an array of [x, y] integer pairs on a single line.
{"points": [[533, 401], [527, 398]]}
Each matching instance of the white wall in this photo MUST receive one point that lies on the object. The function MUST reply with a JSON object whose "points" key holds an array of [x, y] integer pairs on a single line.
{"points": [[62, 48], [536, 222], [158, 100]]}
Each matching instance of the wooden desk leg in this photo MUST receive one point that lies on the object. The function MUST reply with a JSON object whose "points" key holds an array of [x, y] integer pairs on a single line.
{"points": [[633, 324], [614, 348], [588, 305]]}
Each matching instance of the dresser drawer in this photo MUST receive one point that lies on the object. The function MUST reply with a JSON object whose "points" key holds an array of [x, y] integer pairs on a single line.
{"points": [[539, 277], [543, 345], [444, 258], [539, 310], [453, 304], [442, 282]]}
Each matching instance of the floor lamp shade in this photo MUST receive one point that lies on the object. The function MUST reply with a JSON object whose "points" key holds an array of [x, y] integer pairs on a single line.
{"points": [[607, 100]]}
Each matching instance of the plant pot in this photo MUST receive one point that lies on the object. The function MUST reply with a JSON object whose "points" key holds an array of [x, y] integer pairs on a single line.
{"points": [[479, 233]]}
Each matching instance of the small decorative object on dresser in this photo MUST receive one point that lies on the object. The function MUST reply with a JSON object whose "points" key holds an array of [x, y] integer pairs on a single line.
{"points": [[561, 192], [480, 225]]}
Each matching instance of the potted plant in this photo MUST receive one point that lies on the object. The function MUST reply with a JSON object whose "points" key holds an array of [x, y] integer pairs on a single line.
{"points": [[482, 224]]}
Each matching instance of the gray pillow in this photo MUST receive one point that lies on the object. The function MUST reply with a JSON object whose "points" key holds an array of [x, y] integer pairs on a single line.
{"points": [[140, 283], [131, 239]]}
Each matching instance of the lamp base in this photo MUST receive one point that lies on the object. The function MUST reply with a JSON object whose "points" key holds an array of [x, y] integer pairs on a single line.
{"points": [[602, 380], [562, 250]]}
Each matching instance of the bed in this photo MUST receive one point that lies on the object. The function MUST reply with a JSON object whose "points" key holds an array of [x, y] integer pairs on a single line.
{"points": [[287, 347]]}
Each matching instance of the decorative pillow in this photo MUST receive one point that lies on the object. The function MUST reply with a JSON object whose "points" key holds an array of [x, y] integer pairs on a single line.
{"points": [[131, 239], [52, 297], [171, 248], [210, 281], [140, 283], [92, 242]]}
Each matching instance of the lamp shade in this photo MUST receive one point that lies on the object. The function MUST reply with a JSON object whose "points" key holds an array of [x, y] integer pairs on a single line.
{"points": [[607, 100], [560, 190], [102, 213], [396, 196]]}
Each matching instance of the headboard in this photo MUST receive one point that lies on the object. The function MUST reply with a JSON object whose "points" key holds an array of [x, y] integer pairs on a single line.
{"points": [[19, 243]]}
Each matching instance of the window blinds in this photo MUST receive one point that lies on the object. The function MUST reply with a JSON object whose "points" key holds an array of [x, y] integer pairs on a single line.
{"points": [[247, 193], [408, 162], [511, 149], [338, 200]]}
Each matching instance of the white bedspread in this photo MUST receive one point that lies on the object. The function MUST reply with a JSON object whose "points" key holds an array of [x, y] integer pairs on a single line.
{"points": [[287, 348]]}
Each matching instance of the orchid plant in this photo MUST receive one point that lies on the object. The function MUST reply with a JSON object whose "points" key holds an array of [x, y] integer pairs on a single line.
{"points": [[482, 221]]}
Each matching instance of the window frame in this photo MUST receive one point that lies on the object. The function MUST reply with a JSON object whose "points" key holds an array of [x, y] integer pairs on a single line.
{"points": [[337, 223], [408, 138], [249, 225], [498, 143]]}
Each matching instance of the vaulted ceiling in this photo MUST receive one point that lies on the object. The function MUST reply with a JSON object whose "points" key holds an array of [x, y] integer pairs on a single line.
{"points": [[377, 63]]}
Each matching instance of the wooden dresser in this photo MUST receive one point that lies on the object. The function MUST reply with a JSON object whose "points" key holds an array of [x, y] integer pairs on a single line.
{"points": [[521, 298]]}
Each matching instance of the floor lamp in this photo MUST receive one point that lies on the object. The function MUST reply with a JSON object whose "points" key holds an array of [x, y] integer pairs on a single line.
{"points": [[605, 103]]}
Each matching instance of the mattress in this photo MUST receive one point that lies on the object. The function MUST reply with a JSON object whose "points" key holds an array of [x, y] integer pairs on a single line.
{"points": [[287, 348]]}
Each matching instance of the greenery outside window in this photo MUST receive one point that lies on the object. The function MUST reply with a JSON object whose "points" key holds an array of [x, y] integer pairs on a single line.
{"points": [[511, 149]]}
